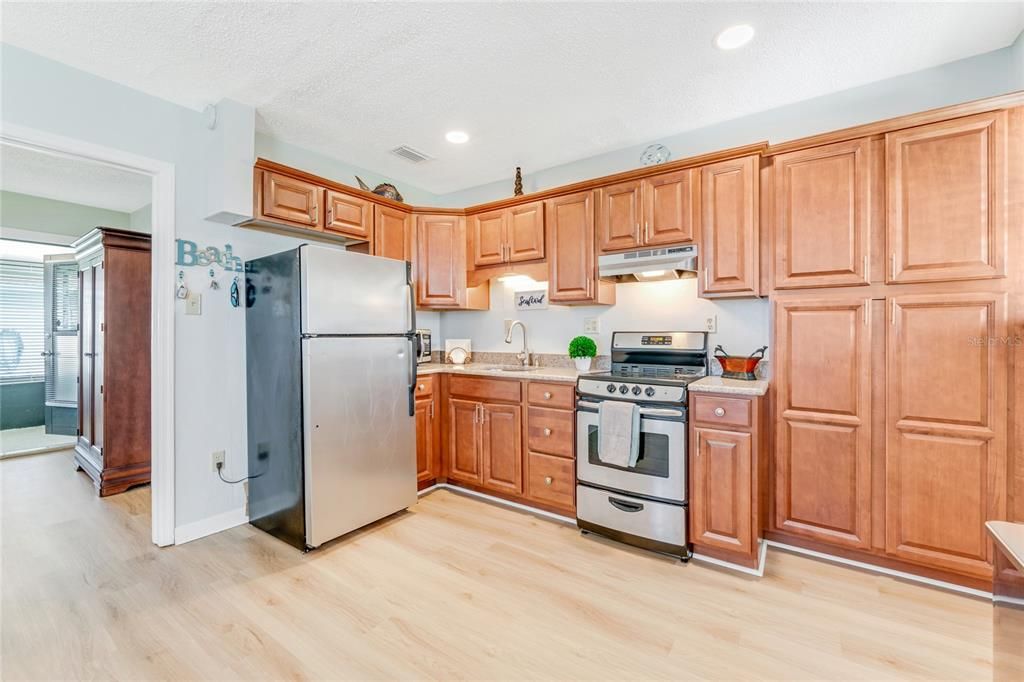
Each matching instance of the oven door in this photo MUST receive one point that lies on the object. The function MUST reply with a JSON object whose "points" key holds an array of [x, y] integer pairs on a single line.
{"points": [[660, 471]]}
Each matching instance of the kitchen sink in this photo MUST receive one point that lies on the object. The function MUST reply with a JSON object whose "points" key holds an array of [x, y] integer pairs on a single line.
{"points": [[512, 368]]}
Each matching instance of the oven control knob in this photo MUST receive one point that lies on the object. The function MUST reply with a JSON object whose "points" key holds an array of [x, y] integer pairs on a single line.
{"points": [[636, 390], [649, 392], [611, 388], [623, 389]]}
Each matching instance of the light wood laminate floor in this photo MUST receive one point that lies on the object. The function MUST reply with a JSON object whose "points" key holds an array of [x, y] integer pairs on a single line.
{"points": [[457, 588]]}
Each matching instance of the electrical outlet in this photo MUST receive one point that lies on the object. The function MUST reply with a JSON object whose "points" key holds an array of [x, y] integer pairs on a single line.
{"points": [[194, 303], [217, 458], [711, 324], [591, 325]]}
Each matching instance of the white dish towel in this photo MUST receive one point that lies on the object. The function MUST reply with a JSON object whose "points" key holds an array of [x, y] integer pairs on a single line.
{"points": [[618, 433]]}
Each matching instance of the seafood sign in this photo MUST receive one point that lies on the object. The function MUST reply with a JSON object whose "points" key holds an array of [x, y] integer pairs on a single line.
{"points": [[190, 254], [532, 300]]}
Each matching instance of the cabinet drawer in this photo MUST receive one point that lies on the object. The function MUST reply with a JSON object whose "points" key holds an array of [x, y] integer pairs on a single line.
{"points": [[551, 480], [425, 386], [713, 409], [561, 396], [550, 431], [479, 388]]}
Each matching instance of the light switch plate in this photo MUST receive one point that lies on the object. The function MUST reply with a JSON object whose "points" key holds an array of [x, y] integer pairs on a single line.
{"points": [[591, 325], [194, 303], [711, 324]]}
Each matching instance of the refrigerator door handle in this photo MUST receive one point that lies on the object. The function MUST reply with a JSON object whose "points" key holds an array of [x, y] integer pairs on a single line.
{"points": [[413, 342], [412, 297]]}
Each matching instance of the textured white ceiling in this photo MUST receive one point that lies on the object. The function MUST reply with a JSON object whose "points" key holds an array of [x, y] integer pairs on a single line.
{"points": [[535, 84], [81, 182]]}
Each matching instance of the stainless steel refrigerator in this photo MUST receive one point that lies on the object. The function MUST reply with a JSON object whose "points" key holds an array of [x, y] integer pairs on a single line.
{"points": [[331, 371]]}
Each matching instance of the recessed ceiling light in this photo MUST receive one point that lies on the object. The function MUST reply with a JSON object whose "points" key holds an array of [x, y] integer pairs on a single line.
{"points": [[456, 136], [734, 36]]}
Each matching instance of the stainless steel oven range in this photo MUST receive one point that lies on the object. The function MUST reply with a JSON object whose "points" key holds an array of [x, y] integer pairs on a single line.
{"points": [[644, 505]]}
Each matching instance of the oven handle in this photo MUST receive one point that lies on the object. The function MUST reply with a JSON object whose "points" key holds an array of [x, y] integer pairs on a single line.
{"points": [[623, 505], [644, 411]]}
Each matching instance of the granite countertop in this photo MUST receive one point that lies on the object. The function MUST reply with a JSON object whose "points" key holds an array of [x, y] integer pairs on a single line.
{"points": [[567, 374], [1009, 538], [730, 386]]}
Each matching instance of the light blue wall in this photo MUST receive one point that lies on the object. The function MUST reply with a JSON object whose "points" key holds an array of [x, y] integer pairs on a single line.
{"points": [[36, 214], [335, 169], [142, 219], [993, 73]]}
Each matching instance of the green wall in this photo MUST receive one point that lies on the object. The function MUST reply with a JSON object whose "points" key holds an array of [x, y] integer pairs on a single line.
{"points": [[27, 212]]}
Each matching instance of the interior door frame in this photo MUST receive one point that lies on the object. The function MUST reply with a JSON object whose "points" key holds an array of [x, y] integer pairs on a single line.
{"points": [[162, 174]]}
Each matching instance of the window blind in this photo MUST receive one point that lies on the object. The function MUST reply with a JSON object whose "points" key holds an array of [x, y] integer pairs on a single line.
{"points": [[22, 319]]}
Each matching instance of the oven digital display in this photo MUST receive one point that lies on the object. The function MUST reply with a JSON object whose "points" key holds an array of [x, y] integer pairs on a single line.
{"points": [[663, 340]]}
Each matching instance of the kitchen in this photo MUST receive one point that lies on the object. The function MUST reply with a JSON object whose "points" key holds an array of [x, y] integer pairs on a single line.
{"points": [[889, 382]]}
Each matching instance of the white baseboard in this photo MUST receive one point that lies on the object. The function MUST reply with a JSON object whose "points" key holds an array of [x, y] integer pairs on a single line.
{"points": [[941, 584], [762, 554], [214, 524]]}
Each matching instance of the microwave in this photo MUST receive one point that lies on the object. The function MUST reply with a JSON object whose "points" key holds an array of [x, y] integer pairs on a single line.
{"points": [[423, 345]]}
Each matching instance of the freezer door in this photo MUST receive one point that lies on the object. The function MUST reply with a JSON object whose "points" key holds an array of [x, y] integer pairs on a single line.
{"points": [[360, 442], [351, 293]]}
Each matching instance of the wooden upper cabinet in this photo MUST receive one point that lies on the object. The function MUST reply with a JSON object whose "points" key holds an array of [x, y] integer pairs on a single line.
{"points": [[525, 227], [440, 260], [287, 199], [618, 216], [488, 231], [392, 233], [729, 227], [668, 202], [349, 215], [722, 497], [822, 216], [946, 428], [946, 199], [501, 437], [572, 259], [823, 419]]}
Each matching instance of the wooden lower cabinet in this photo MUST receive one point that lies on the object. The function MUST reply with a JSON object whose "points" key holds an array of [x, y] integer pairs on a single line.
{"points": [[489, 423], [428, 460], [726, 476]]}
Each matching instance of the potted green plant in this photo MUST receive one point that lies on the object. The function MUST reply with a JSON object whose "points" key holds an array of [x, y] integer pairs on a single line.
{"points": [[582, 349]]}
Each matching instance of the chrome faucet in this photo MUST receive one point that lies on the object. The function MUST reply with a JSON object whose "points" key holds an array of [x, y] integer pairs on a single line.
{"points": [[524, 356]]}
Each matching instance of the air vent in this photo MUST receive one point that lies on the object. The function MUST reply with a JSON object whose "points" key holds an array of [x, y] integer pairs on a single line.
{"points": [[410, 154]]}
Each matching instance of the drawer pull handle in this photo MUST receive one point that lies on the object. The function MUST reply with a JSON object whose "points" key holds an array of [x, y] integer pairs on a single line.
{"points": [[547, 432], [719, 411], [547, 395], [548, 480], [623, 505]]}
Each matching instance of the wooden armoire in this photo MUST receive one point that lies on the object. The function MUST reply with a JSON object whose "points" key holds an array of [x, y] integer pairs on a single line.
{"points": [[113, 445]]}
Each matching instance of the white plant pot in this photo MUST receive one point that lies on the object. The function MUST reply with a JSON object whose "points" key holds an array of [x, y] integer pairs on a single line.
{"points": [[583, 364]]}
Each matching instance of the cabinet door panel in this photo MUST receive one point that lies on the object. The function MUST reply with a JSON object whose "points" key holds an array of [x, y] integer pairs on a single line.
{"points": [[721, 493], [822, 216], [729, 237], [668, 208], [349, 215], [947, 201], [946, 428], [618, 217], [392, 233], [86, 374], [526, 232], [823, 428], [290, 200], [99, 359], [440, 260], [425, 440], [488, 237], [503, 448], [571, 256], [464, 460]]}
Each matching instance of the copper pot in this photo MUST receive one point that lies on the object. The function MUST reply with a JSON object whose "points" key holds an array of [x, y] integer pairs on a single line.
{"points": [[736, 367]]}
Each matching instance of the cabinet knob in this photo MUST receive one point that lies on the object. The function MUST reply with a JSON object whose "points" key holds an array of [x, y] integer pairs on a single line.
{"points": [[422, 386], [547, 432], [719, 411], [548, 480], [547, 395]]}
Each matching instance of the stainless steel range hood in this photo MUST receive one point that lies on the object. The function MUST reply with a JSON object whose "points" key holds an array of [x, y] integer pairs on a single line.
{"points": [[649, 265]]}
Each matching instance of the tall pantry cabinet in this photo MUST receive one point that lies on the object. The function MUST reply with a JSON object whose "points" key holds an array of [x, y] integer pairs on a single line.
{"points": [[113, 445], [893, 286]]}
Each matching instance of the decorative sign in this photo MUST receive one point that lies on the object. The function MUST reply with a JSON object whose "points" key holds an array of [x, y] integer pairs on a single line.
{"points": [[532, 300], [189, 254]]}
